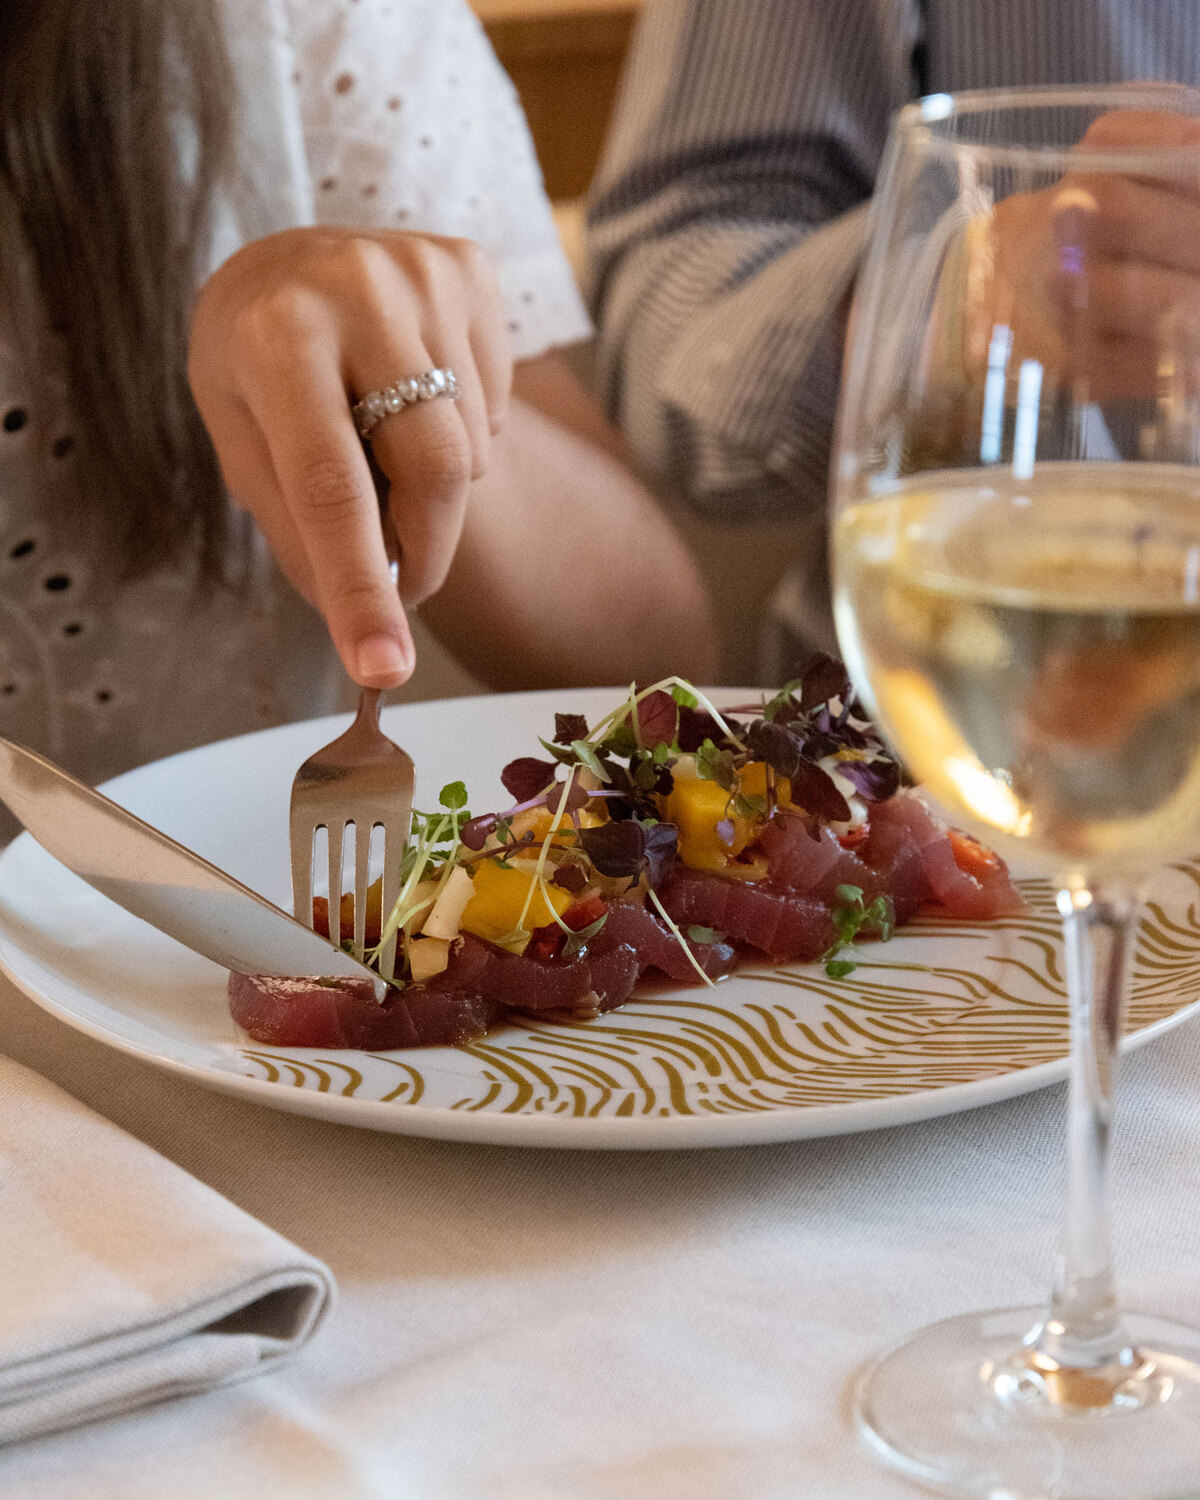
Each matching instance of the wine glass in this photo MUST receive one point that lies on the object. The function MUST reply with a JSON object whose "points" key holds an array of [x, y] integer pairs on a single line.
{"points": [[1016, 565]]}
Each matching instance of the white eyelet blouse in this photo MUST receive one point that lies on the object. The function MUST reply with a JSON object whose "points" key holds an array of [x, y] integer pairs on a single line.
{"points": [[384, 113]]}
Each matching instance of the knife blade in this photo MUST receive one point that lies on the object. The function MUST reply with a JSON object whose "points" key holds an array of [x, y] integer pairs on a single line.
{"points": [[161, 881]]}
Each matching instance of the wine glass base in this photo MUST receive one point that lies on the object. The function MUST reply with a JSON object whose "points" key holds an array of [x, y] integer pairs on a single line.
{"points": [[956, 1409]]}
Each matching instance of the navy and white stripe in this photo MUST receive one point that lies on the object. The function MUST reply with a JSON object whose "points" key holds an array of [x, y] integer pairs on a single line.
{"points": [[723, 231], [729, 212]]}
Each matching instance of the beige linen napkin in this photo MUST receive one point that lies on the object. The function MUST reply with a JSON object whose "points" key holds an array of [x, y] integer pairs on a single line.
{"points": [[123, 1280]]}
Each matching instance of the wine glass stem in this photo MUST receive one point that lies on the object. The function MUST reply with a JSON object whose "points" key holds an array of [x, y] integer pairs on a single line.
{"points": [[1083, 1326]]}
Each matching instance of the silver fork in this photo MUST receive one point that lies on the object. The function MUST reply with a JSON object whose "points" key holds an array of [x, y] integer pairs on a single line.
{"points": [[361, 778]]}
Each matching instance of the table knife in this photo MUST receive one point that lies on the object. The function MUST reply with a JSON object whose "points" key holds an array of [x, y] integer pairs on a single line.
{"points": [[161, 881]]}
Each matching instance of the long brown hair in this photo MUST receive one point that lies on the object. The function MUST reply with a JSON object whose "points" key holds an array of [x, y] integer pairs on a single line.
{"points": [[105, 199]]}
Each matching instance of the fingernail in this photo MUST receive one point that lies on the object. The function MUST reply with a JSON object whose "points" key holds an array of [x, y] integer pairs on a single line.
{"points": [[381, 656]]}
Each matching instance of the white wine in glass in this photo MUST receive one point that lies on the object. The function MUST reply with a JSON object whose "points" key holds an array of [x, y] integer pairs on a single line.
{"points": [[1016, 561]]}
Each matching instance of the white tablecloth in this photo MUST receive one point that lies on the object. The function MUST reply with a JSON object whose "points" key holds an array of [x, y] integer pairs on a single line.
{"points": [[560, 1326]]}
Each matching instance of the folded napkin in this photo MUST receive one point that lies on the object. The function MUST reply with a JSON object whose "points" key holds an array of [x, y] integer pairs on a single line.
{"points": [[123, 1280]]}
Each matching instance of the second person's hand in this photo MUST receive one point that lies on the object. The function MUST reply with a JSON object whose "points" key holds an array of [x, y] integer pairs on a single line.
{"points": [[286, 335]]}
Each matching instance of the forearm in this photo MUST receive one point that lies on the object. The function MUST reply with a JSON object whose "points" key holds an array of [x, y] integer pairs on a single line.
{"points": [[568, 571]]}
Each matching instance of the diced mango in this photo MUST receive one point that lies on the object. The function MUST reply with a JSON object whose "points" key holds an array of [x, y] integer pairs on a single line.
{"points": [[752, 782], [696, 806], [428, 956], [494, 910]]}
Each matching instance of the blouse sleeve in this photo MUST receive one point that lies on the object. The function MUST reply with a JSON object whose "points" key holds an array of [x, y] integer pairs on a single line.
{"points": [[410, 122]]}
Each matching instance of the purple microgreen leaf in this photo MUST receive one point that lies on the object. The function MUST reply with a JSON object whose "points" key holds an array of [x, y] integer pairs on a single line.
{"points": [[824, 677], [629, 847], [616, 849], [526, 777], [657, 720], [838, 729], [814, 790], [578, 797], [874, 780], [570, 877], [696, 727], [662, 847], [476, 833], [816, 745], [775, 744], [568, 727]]}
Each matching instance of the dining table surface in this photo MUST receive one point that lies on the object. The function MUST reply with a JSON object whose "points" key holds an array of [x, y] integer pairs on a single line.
{"points": [[564, 1325]]}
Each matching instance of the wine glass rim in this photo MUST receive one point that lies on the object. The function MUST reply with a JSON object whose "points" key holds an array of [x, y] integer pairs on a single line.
{"points": [[923, 115]]}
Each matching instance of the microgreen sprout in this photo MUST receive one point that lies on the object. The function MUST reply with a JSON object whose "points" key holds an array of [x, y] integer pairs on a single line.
{"points": [[850, 916], [577, 940], [716, 765], [696, 699], [683, 942], [435, 842]]}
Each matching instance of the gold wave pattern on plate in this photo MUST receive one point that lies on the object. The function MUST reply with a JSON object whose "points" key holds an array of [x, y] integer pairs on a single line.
{"points": [[943, 1003]]}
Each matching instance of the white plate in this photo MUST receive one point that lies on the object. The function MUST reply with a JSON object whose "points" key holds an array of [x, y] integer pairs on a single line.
{"points": [[974, 1014]]}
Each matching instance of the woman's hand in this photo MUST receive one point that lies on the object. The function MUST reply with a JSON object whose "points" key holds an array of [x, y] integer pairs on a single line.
{"points": [[285, 336]]}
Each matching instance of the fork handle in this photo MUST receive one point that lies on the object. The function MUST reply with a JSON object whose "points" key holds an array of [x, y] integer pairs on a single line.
{"points": [[368, 708]]}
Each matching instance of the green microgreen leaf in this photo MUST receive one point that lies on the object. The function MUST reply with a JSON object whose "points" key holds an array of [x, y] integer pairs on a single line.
{"points": [[715, 765], [684, 696], [782, 699], [622, 742], [644, 774], [752, 806], [663, 752], [577, 940], [454, 796], [588, 757], [850, 917]]}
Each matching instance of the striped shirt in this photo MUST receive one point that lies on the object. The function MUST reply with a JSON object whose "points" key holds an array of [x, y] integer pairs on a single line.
{"points": [[729, 214]]}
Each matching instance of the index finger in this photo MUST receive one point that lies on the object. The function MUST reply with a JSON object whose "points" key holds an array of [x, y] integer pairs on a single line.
{"points": [[327, 486]]}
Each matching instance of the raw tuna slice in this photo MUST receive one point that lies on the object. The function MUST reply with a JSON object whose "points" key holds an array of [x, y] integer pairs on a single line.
{"points": [[658, 947], [606, 972], [481, 984], [914, 856], [344, 1013], [777, 922], [812, 866]]}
